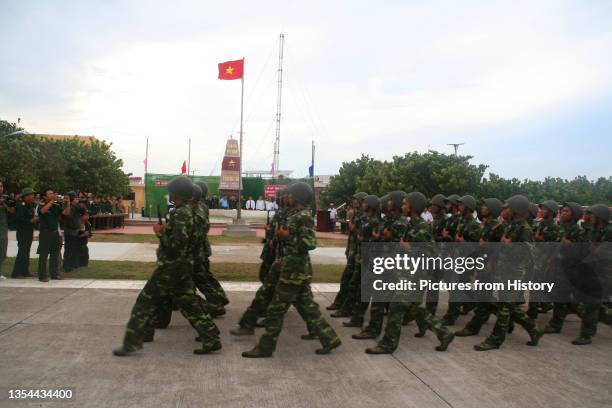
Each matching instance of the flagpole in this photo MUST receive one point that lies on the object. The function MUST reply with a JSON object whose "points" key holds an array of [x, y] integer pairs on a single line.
{"points": [[240, 167], [189, 159], [145, 176]]}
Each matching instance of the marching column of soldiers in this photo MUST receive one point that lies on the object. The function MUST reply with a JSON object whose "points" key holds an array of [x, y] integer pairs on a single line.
{"points": [[286, 271]]}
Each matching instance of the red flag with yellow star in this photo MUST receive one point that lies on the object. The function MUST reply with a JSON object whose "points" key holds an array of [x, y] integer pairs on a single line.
{"points": [[231, 69]]}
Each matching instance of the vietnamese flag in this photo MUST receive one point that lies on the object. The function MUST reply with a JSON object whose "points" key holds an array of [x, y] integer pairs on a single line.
{"points": [[231, 69], [184, 167]]}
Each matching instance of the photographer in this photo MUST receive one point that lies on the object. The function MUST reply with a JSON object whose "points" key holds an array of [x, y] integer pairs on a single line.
{"points": [[6, 207], [72, 227], [25, 220], [49, 238]]}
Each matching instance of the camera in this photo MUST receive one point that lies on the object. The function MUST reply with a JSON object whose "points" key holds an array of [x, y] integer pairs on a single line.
{"points": [[6, 199]]}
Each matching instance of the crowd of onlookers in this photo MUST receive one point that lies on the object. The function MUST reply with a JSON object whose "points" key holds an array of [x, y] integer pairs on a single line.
{"points": [[247, 203], [63, 221]]}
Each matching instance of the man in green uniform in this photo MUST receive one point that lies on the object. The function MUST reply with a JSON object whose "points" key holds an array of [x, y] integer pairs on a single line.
{"points": [[393, 228], [366, 232], [448, 235], [576, 274], [516, 232], [417, 230], [203, 277], [343, 302], [547, 230], [293, 286], [438, 212], [492, 231], [25, 220], [5, 209], [172, 278], [72, 227], [49, 238]]}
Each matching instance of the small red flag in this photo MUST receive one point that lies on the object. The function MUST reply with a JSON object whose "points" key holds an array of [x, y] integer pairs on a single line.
{"points": [[184, 167], [231, 69]]}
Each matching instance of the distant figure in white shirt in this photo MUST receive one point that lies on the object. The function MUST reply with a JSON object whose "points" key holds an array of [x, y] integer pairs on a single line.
{"points": [[273, 205], [260, 205], [268, 204], [426, 215], [332, 216], [250, 204]]}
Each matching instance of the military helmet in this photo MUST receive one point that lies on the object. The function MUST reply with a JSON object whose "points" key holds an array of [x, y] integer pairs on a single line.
{"points": [[552, 206], [360, 196], [384, 201], [397, 197], [533, 210], [197, 193], [203, 186], [417, 201], [494, 206], [601, 211], [575, 208], [28, 191], [373, 202], [301, 192], [438, 200], [453, 199], [181, 187], [518, 203], [468, 201]]}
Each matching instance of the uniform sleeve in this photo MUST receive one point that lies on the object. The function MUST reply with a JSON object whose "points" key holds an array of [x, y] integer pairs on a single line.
{"points": [[307, 240], [175, 237]]}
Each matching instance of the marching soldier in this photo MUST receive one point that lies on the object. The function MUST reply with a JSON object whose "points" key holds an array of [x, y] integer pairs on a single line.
{"points": [[516, 231], [172, 278], [393, 228], [448, 235], [343, 302], [492, 231], [417, 230], [366, 232], [294, 283]]}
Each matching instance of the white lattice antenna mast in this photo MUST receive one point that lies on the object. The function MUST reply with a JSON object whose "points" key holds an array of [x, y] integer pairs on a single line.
{"points": [[279, 94]]}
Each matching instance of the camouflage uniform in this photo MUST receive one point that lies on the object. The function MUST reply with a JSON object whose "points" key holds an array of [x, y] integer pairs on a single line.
{"points": [[294, 285], [468, 228], [550, 233], [171, 279], [438, 225], [417, 230], [580, 274], [203, 277], [367, 227], [492, 231], [396, 224], [519, 232], [345, 297]]}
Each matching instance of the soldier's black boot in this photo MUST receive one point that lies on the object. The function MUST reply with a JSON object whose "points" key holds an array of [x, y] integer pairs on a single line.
{"points": [[486, 346], [465, 332], [340, 313], [208, 349], [352, 323], [378, 350], [148, 338], [327, 349], [256, 353], [242, 331], [536, 334], [333, 306], [581, 341], [445, 341], [365, 335], [122, 352]]}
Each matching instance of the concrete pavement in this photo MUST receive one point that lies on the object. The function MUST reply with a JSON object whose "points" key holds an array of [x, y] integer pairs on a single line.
{"points": [[244, 253], [62, 336]]}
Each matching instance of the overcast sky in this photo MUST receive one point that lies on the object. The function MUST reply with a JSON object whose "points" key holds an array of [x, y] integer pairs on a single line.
{"points": [[527, 86]]}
